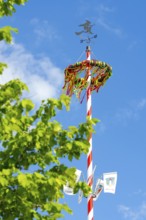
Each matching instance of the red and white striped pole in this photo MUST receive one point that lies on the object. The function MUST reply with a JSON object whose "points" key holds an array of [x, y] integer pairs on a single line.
{"points": [[89, 155]]}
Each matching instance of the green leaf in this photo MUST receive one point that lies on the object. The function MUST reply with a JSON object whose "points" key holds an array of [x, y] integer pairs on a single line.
{"points": [[66, 101], [27, 104], [2, 67], [5, 33], [23, 180], [67, 209], [7, 7], [3, 181], [6, 172], [56, 126]]}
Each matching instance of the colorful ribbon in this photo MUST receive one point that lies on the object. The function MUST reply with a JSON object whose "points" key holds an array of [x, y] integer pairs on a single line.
{"points": [[76, 76]]}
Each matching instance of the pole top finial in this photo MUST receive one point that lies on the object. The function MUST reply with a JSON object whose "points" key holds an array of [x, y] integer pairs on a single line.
{"points": [[88, 48]]}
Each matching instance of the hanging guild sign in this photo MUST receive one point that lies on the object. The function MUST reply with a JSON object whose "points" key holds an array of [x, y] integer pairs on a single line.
{"points": [[110, 181], [67, 189], [98, 189]]}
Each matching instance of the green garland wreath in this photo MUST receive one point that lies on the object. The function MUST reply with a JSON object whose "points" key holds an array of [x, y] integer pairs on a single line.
{"points": [[74, 83]]}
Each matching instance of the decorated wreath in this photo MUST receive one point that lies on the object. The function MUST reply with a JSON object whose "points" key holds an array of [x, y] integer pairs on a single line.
{"points": [[76, 76]]}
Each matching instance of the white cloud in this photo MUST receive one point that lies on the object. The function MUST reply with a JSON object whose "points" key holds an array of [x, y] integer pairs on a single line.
{"points": [[43, 78], [102, 20], [102, 9], [125, 114], [101, 14], [115, 30], [101, 128], [139, 192], [141, 104], [44, 32], [132, 45], [131, 112], [131, 214]]}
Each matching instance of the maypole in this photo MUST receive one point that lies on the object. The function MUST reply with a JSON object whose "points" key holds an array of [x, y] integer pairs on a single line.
{"points": [[89, 75], [89, 155]]}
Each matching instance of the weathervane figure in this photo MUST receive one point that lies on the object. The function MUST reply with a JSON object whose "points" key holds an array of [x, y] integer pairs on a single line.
{"points": [[87, 26]]}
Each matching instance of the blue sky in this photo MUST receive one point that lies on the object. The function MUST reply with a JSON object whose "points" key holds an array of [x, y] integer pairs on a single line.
{"points": [[46, 45]]}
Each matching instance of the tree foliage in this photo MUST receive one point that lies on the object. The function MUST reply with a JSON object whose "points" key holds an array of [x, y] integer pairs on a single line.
{"points": [[7, 7], [32, 143], [35, 138]]}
